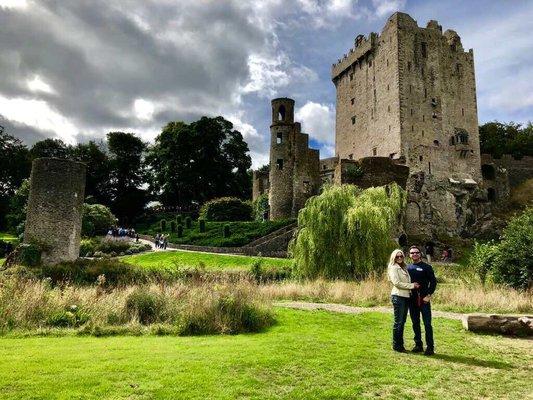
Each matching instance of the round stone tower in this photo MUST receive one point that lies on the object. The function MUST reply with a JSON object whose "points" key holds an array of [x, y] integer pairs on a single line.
{"points": [[55, 205], [281, 160]]}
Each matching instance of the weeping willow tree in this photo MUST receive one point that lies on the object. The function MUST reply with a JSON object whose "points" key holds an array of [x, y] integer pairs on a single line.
{"points": [[346, 232]]}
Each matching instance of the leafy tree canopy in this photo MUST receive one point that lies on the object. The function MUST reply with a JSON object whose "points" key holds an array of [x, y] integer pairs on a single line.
{"points": [[497, 138], [193, 163], [55, 148]]}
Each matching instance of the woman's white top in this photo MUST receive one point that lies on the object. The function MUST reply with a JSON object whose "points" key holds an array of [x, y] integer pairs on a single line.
{"points": [[401, 281]]}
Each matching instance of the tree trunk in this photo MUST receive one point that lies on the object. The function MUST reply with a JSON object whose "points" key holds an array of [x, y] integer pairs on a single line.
{"points": [[502, 324]]}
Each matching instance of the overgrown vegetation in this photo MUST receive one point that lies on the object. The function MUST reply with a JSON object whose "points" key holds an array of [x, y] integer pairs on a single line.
{"points": [[345, 232], [183, 309], [508, 262], [96, 220], [260, 207], [100, 247], [226, 209]]}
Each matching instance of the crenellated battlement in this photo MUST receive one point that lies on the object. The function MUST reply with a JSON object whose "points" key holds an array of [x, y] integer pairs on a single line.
{"points": [[362, 46]]}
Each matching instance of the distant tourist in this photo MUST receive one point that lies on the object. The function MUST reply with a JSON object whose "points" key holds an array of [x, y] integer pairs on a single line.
{"points": [[400, 294], [447, 254], [430, 251], [420, 302]]}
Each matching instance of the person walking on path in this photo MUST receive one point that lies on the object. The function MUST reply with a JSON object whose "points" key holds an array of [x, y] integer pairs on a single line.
{"points": [[401, 287], [420, 300]]}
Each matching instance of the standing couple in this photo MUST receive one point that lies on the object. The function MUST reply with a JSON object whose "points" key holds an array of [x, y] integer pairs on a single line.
{"points": [[412, 288]]}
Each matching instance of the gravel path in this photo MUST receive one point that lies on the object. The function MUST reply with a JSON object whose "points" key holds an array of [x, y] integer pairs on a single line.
{"points": [[341, 308]]}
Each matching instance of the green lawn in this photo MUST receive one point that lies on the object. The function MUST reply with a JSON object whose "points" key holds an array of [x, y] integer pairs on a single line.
{"points": [[241, 232], [307, 355], [173, 259]]}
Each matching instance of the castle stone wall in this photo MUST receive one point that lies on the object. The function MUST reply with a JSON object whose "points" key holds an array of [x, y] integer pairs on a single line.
{"points": [[54, 210]]}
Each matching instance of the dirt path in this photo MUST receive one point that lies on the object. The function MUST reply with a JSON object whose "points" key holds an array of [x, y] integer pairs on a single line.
{"points": [[341, 308]]}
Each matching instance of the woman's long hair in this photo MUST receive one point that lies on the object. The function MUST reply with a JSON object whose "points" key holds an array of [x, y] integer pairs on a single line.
{"points": [[392, 259]]}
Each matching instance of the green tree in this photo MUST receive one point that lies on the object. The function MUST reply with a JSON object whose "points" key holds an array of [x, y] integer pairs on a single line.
{"points": [[193, 163], [97, 219], [497, 138], [55, 148], [15, 166], [127, 175], [97, 187], [346, 232], [17, 205]]}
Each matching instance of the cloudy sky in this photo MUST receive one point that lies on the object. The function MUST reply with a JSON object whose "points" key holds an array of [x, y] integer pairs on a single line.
{"points": [[78, 69]]}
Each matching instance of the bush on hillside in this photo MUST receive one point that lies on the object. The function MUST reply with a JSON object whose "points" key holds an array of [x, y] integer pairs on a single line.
{"points": [[346, 232], [482, 258], [96, 220], [513, 263], [226, 209]]}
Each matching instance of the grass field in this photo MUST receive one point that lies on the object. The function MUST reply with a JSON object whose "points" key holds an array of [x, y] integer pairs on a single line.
{"points": [[307, 355], [191, 259]]}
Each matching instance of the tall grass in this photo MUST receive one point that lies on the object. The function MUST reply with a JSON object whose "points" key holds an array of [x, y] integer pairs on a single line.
{"points": [[179, 308]]}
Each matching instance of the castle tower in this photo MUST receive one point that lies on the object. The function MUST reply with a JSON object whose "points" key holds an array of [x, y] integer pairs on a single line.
{"points": [[294, 167], [409, 93], [55, 205]]}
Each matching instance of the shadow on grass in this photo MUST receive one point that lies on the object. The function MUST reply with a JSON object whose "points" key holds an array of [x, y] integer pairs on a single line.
{"points": [[473, 361]]}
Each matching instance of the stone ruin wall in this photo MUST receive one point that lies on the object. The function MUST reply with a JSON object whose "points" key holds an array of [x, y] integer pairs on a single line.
{"points": [[54, 210], [260, 184]]}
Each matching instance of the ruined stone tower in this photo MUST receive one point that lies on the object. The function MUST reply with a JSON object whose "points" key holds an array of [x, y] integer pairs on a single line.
{"points": [[409, 93], [294, 167], [54, 211]]}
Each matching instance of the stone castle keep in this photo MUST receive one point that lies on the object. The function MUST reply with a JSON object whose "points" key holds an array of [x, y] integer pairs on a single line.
{"points": [[406, 112]]}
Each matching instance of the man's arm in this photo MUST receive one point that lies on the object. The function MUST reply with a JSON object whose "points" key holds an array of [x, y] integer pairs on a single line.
{"points": [[432, 280]]}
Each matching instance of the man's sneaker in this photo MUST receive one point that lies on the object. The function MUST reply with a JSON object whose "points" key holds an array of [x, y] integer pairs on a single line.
{"points": [[429, 351], [417, 349]]}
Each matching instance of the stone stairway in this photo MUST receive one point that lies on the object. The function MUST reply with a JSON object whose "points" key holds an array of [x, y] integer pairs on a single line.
{"points": [[272, 245]]}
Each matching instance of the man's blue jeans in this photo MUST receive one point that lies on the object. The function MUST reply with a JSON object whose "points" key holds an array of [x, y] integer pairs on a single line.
{"points": [[414, 312], [400, 306]]}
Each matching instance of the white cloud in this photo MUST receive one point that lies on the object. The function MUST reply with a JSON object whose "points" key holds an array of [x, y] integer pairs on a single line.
{"points": [[38, 114], [37, 84], [318, 120], [13, 3], [144, 109], [384, 8]]}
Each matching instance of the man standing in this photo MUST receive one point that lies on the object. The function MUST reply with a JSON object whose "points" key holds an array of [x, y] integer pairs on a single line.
{"points": [[420, 299]]}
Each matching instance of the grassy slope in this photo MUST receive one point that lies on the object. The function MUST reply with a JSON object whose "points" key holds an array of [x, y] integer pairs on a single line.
{"points": [[307, 355], [241, 232], [172, 259]]}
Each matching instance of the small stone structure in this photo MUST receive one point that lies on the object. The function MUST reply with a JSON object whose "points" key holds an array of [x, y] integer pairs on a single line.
{"points": [[55, 206], [501, 175]]}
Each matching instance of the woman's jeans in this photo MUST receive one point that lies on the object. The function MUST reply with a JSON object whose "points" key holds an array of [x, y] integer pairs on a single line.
{"points": [[400, 305]]}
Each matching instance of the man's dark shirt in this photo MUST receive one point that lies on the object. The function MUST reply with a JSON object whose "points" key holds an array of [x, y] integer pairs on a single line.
{"points": [[424, 275]]}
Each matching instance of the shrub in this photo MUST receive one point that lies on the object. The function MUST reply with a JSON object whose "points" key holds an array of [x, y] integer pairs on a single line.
{"points": [[110, 246], [29, 255], [147, 306], [96, 220], [172, 226], [345, 232], [70, 318], [482, 259], [163, 225], [226, 231], [188, 222], [513, 264], [88, 247], [201, 225], [260, 207], [226, 209], [180, 231]]}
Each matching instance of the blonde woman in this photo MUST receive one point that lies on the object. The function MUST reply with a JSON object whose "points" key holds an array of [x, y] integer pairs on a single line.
{"points": [[401, 291]]}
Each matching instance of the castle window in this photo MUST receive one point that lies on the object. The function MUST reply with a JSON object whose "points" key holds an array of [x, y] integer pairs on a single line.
{"points": [[389, 128], [388, 88], [422, 133], [422, 69], [412, 111], [350, 156], [279, 163], [491, 194], [387, 62], [434, 115], [423, 118], [353, 120], [410, 88], [388, 108], [436, 142], [374, 94], [421, 158], [434, 102], [425, 93], [488, 172], [279, 138], [424, 49], [351, 76], [412, 128], [324, 166], [452, 141], [409, 66], [352, 101], [458, 68], [375, 151], [369, 63], [429, 167], [281, 113], [463, 112]]}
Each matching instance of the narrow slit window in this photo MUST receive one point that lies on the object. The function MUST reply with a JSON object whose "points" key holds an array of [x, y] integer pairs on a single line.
{"points": [[279, 163], [353, 120], [424, 49], [375, 151], [352, 101], [463, 112], [279, 138]]}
